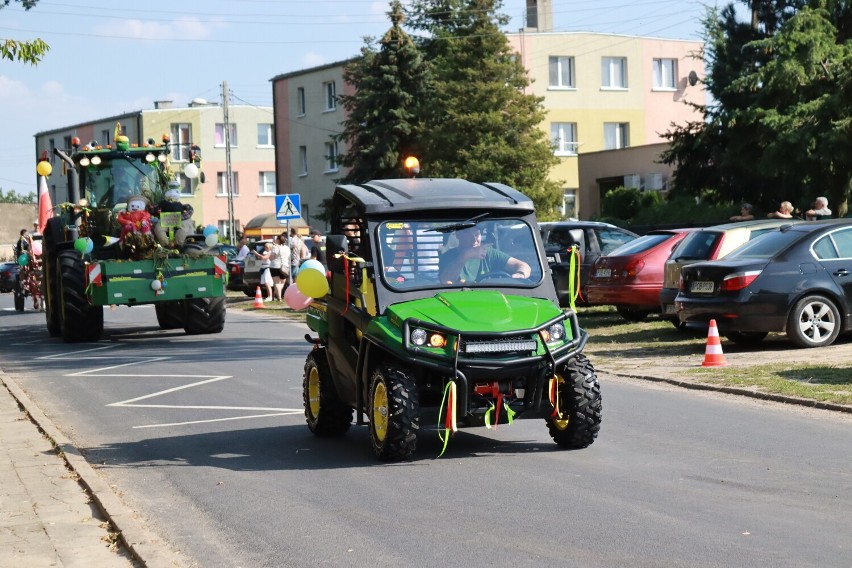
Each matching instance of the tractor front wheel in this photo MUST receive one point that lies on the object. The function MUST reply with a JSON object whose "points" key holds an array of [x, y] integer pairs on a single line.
{"points": [[78, 320], [578, 405], [394, 413]]}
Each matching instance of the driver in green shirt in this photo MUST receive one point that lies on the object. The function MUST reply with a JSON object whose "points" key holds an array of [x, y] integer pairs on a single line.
{"points": [[470, 260]]}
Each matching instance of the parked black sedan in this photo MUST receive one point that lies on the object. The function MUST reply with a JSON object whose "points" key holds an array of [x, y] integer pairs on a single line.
{"points": [[797, 280], [8, 276]]}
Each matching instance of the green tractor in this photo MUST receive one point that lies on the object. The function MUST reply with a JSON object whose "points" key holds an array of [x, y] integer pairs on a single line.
{"points": [[111, 244], [440, 310]]}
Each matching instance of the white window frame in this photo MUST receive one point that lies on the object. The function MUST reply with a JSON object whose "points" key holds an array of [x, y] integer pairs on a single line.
{"points": [[331, 157], [561, 72], [222, 184], [303, 161], [563, 135], [569, 203], [265, 130], [616, 135], [300, 101], [266, 184], [185, 184], [665, 74], [329, 94], [181, 133], [219, 136], [614, 73]]}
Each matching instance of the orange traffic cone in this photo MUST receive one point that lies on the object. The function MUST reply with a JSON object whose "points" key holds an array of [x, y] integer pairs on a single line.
{"points": [[713, 356], [258, 299]]}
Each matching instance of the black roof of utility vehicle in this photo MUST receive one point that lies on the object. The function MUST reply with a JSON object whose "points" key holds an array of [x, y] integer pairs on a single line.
{"points": [[392, 196]]}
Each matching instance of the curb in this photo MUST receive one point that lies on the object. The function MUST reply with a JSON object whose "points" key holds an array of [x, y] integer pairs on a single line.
{"points": [[808, 402], [142, 545]]}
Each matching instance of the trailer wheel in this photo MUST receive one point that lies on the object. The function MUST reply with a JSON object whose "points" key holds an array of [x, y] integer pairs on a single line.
{"points": [[579, 396], [394, 413], [325, 414], [20, 299], [169, 314], [78, 320], [204, 315]]}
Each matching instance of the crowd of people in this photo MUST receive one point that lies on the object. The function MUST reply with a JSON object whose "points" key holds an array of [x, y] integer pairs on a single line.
{"points": [[785, 210]]}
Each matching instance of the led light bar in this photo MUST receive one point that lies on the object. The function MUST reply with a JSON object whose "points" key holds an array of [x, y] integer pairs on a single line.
{"points": [[500, 346]]}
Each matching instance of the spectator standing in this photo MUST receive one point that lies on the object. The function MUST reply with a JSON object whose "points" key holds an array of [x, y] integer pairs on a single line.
{"points": [[746, 213], [317, 248], [298, 252], [785, 211], [265, 273], [243, 251], [280, 265], [23, 244], [820, 210]]}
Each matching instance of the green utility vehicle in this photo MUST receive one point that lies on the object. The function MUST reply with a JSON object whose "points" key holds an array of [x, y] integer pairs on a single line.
{"points": [[442, 311], [94, 258]]}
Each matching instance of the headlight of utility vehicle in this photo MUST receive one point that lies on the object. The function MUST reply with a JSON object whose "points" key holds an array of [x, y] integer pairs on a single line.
{"points": [[555, 332], [422, 337]]}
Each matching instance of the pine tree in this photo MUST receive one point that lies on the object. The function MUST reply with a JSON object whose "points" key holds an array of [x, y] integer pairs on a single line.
{"points": [[480, 124], [384, 114]]}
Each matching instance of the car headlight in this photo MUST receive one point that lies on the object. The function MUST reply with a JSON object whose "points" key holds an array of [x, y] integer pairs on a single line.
{"points": [[555, 332], [421, 337]]}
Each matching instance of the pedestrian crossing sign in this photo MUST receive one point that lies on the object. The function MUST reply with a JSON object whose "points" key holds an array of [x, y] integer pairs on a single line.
{"points": [[288, 206]]}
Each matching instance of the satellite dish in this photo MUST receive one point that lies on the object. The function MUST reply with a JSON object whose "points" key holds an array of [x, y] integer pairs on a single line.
{"points": [[693, 78]]}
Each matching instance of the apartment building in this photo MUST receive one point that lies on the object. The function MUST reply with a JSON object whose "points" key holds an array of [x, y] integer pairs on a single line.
{"points": [[308, 115], [252, 154], [601, 92]]}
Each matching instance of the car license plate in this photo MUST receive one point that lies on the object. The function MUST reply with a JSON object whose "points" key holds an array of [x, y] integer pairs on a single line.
{"points": [[603, 273], [671, 309], [701, 287]]}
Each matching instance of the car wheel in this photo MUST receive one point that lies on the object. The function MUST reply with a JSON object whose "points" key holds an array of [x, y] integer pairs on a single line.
{"points": [[394, 413], [631, 314], [813, 322], [578, 395], [325, 413], [746, 337]]}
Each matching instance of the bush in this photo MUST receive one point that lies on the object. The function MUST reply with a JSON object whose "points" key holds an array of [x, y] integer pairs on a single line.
{"points": [[631, 207]]}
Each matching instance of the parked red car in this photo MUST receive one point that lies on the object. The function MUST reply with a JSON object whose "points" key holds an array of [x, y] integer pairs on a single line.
{"points": [[631, 276]]}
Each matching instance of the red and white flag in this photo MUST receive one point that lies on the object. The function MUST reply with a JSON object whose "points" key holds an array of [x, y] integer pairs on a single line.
{"points": [[45, 207]]}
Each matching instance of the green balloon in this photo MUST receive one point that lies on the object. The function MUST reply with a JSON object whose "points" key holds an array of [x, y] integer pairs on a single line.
{"points": [[80, 245], [23, 259]]}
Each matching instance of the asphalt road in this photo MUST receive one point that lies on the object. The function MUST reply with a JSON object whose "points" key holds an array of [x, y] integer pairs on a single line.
{"points": [[204, 437]]}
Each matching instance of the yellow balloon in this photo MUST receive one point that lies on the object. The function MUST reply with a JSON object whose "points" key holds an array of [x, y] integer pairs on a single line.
{"points": [[44, 168], [312, 283]]}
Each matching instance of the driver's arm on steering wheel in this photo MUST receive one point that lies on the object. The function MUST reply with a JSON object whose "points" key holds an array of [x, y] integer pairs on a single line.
{"points": [[518, 268]]}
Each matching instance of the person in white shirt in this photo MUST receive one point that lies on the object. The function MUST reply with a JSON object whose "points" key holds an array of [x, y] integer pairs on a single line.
{"points": [[243, 252]]}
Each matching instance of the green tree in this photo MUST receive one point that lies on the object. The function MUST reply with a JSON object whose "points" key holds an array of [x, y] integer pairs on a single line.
{"points": [[480, 124], [25, 51], [779, 125], [383, 115], [12, 197]]}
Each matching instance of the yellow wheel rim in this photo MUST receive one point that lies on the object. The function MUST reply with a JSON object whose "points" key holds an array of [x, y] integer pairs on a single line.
{"points": [[560, 420], [380, 411], [314, 392]]}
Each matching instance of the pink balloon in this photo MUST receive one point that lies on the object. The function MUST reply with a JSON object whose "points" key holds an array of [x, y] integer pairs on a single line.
{"points": [[295, 299], [37, 248]]}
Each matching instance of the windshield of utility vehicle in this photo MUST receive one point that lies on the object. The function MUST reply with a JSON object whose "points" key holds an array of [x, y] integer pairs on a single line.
{"points": [[113, 181], [458, 252]]}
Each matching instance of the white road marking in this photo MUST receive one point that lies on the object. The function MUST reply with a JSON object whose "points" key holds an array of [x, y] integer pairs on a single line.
{"points": [[289, 413]]}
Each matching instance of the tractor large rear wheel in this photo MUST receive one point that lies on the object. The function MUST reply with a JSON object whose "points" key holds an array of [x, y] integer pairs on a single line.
{"points": [[78, 320], [325, 414], [394, 413], [578, 420], [50, 278], [204, 315]]}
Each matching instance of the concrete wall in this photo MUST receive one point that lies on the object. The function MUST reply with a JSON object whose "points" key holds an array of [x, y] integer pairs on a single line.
{"points": [[13, 218]]}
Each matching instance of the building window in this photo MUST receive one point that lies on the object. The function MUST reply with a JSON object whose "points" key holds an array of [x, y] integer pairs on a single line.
{"points": [[52, 145], [185, 184], [105, 137], [564, 138], [614, 73], [220, 134], [181, 138], [329, 96], [222, 184], [561, 72], [303, 160], [300, 101], [67, 143], [665, 74], [266, 183], [569, 203], [616, 135], [331, 156], [264, 135]]}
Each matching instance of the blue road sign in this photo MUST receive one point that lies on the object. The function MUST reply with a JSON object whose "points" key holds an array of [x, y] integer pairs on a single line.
{"points": [[288, 206]]}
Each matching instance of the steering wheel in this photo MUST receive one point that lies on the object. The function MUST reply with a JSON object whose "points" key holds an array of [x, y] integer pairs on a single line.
{"points": [[493, 275]]}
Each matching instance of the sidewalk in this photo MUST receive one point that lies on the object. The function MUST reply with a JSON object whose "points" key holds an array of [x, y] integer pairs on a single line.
{"points": [[53, 505]]}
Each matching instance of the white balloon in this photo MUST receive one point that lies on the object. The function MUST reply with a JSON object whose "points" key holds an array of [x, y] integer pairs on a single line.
{"points": [[191, 171], [156, 284], [211, 240]]}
